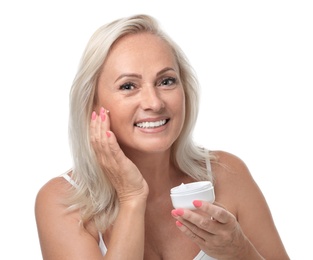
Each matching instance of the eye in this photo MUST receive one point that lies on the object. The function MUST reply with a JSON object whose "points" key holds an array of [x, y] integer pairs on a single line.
{"points": [[168, 81], [127, 86]]}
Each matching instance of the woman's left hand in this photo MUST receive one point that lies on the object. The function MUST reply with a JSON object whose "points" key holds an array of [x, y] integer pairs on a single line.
{"points": [[214, 229]]}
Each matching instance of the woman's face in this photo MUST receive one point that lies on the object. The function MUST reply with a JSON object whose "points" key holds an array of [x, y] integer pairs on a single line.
{"points": [[140, 86]]}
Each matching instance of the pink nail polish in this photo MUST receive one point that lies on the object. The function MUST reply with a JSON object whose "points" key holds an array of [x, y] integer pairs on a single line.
{"points": [[102, 114], [93, 115], [174, 213], [108, 133], [179, 224], [197, 203], [179, 212]]}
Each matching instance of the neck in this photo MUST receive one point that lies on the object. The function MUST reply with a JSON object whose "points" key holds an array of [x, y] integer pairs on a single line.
{"points": [[158, 171]]}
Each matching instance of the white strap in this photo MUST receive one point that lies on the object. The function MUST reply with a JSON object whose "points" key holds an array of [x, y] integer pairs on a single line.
{"points": [[69, 179]]}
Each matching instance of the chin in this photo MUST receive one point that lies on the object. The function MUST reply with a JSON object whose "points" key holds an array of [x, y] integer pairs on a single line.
{"points": [[149, 147]]}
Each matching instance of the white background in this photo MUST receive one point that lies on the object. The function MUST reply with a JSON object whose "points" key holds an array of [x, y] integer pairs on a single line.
{"points": [[254, 61]]}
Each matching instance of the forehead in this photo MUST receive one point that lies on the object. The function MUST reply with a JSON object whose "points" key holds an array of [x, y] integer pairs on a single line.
{"points": [[143, 39], [142, 47]]}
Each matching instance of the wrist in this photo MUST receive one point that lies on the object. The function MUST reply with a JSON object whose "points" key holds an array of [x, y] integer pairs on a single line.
{"points": [[133, 203], [135, 198], [249, 251]]}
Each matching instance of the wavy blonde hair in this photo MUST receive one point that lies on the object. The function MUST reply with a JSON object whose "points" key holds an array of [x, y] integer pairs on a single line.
{"points": [[95, 195]]}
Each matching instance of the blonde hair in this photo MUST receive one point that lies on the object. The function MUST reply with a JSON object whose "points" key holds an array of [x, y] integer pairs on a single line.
{"points": [[95, 195]]}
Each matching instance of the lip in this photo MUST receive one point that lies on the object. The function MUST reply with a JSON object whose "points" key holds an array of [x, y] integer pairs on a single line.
{"points": [[152, 120], [152, 130]]}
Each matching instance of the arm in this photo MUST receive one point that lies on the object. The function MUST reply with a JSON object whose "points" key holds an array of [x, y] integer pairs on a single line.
{"points": [[127, 236], [244, 229], [61, 234], [63, 237]]}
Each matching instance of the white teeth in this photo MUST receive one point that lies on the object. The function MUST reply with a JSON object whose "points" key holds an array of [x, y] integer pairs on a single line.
{"points": [[151, 124]]}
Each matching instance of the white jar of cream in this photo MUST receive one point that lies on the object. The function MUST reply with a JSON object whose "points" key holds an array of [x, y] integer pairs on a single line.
{"points": [[183, 195]]}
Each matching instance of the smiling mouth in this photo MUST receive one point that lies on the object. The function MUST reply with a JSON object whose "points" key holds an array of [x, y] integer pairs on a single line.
{"points": [[152, 124]]}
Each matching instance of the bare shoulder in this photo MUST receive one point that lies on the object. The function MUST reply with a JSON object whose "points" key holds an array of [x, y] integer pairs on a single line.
{"points": [[60, 230], [53, 192], [50, 203], [233, 181], [236, 190], [227, 159], [229, 166]]}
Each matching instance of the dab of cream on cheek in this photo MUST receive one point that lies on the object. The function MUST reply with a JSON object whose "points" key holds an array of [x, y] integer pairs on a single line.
{"points": [[182, 196]]}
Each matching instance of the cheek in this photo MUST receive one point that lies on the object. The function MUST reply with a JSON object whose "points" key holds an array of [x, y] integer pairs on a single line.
{"points": [[180, 107], [115, 120], [120, 120], [103, 98]]}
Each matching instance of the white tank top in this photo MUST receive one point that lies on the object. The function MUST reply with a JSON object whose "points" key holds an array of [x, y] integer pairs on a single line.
{"points": [[102, 246]]}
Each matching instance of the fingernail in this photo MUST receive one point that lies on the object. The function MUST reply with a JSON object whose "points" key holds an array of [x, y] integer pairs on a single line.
{"points": [[102, 114], [108, 133], [178, 212], [179, 224], [197, 203], [93, 115], [174, 213]]}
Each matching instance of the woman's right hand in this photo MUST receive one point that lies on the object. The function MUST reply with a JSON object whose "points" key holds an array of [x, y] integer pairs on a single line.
{"points": [[122, 172]]}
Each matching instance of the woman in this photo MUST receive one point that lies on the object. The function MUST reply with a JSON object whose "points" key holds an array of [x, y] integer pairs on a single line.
{"points": [[133, 106]]}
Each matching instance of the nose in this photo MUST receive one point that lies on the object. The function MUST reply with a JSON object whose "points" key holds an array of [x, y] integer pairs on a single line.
{"points": [[151, 99]]}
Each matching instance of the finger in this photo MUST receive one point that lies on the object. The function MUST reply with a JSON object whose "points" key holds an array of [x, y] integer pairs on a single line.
{"points": [[218, 213], [98, 126], [208, 217], [94, 128], [197, 222], [192, 234], [115, 149], [104, 126]]}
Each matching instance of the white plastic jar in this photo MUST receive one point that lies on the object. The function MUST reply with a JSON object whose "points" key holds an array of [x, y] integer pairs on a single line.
{"points": [[183, 195]]}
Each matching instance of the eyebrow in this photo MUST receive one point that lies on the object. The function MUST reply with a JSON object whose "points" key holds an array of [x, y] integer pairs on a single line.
{"points": [[164, 70], [134, 75]]}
